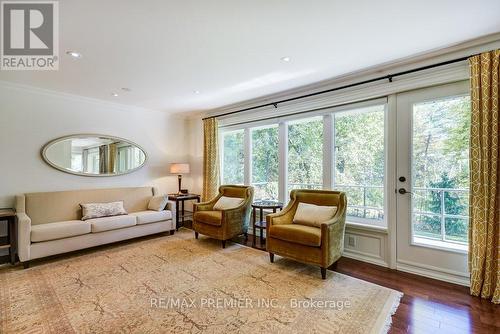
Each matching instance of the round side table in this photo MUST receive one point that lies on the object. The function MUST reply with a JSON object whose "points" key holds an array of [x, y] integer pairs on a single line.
{"points": [[261, 225]]}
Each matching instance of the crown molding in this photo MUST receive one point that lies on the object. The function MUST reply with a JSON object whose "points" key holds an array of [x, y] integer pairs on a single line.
{"points": [[452, 51], [73, 97], [327, 102]]}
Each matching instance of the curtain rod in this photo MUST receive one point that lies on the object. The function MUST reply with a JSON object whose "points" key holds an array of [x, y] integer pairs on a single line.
{"points": [[385, 77]]}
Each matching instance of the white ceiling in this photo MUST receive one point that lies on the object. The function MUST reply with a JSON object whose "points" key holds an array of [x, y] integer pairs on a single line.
{"points": [[230, 50]]}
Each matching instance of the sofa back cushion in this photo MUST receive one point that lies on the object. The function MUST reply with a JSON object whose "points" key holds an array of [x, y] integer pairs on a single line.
{"points": [[158, 203], [59, 206]]}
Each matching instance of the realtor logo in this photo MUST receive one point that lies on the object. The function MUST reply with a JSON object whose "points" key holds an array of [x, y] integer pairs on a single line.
{"points": [[29, 35]]}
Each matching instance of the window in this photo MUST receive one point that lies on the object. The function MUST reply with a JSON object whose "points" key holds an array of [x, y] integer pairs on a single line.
{"points": [[233, 157], [305, 154], [356, 138], [265, 167], [359, 162], [440, 154], [91, 160]]}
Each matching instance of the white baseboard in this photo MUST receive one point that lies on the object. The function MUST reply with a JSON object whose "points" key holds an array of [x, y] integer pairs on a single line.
{"points": [[414, 268], [432, 272], [365, 258]]}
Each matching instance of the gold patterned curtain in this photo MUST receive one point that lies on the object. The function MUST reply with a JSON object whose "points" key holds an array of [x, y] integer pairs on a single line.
{"points": [[112, 158], [484, 231], [210, 159]]}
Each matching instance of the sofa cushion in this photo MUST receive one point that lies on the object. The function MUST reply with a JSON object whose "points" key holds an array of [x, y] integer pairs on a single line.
{"points": [[59, 230], [158, 203], [150, 216], [226, 203], [299, 234], [313, 215], [111, 223], [209, 217]]}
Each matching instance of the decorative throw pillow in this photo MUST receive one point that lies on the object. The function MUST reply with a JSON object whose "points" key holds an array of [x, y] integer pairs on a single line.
{"points": [[96, 210], [313, 215], [157, 203], [226, 203]]}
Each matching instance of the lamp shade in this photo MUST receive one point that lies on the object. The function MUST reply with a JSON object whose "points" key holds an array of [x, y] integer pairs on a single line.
{"points": [[178, 168]]}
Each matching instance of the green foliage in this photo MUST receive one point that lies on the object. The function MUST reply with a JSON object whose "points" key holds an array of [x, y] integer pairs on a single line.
{"points": [[305, 154], [234, 158], [441, 141], [455, 228], [359, 160], [265, 167]]}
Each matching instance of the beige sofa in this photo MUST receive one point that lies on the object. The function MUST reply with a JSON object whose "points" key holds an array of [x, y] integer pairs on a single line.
{"points": [[50, 223]]}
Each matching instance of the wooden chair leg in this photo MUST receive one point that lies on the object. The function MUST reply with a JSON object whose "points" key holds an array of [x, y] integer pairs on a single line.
{"points": [[172, 232], [271, 257], [246, 236], [196, 235], [223, 243], [323, 273], [26, 264]]}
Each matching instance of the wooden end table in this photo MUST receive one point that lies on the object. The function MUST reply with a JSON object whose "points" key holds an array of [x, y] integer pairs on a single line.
{"points": [[261, 225], [9, 215], [181, 214]]}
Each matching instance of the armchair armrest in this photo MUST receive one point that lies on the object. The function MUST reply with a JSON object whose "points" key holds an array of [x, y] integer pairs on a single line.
{"points": [[23, 236], [332, 237], [204, 206], [285, 216]]}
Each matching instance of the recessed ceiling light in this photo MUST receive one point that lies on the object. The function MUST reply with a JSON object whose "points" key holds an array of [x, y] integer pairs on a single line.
{"points": [[287, 59], [74, 54], [114, 94], [196, 91]]}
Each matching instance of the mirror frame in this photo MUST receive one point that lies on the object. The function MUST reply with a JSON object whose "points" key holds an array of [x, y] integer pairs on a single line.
{"points": [[79, 135]]}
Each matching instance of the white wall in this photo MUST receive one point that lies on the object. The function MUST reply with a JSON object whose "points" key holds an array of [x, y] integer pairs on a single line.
{"points": [[29, 118]]}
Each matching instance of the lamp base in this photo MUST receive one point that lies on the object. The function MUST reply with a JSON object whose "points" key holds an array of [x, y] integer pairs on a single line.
{"points": [[179, 178]]}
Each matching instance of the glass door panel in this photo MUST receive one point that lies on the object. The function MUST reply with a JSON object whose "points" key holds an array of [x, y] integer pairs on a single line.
{"points": [[440, 170]]}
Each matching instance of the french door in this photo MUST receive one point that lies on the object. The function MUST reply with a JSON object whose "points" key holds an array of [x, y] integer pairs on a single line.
{"points": [[433, 181]]}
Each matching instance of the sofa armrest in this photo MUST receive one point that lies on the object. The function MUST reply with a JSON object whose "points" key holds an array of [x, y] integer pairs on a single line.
{"points": [[171, 207], [23, 236]]}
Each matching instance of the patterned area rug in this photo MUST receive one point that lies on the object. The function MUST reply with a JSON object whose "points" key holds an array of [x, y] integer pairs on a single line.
{"points": [[176, 284]]}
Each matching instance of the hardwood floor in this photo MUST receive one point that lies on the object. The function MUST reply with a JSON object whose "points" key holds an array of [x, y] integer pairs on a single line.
{"points": [[428, 305]]}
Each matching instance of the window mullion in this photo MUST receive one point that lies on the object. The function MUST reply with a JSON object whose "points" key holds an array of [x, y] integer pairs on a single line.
{"points": [[247, 143], [283, 162], [328, 145]]}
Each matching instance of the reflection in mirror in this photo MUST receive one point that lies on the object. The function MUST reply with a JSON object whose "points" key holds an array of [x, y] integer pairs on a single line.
{"points": [[94, 155]]}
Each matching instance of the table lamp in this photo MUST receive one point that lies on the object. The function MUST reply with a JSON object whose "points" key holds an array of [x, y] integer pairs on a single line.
{"points": [[179, 169]]}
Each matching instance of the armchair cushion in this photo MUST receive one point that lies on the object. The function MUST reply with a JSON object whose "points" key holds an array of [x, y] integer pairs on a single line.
{"points": [[226, 203], [295, 233], [209, 217], [313, 215]]}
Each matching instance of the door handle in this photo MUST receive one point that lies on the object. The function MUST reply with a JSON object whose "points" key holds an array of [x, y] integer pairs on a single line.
{"points": [[403, 191]]}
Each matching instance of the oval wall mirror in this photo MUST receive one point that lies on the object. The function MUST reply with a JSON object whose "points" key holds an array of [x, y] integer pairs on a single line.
{"points": [[94, 155]]}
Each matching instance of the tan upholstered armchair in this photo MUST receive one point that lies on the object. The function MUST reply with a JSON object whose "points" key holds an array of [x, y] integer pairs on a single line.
{"points": [[320, 246], [224, 224]]}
